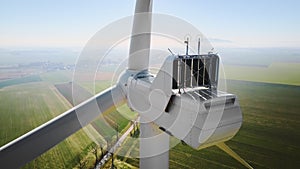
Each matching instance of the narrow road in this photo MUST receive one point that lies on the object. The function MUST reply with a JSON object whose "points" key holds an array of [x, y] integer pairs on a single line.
{"points": [[115, 147]]}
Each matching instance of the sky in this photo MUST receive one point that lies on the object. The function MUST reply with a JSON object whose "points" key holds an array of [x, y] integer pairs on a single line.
{"points": [[71, 23]]}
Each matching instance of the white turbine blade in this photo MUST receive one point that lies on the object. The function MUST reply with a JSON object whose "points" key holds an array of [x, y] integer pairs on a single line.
{"points": [[230, 152], [34, 143], [140, 36]]}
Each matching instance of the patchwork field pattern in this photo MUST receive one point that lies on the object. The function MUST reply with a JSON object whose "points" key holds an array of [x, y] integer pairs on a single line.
{"points": [[269, 137]]}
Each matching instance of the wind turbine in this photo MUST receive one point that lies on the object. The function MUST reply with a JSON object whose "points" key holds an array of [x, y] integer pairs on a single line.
{"points": [[182, 100]]}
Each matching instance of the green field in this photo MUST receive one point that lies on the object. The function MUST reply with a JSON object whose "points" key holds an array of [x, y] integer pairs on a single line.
{"points": [[280, 73], [57, 76], [25, 107], [26, 79]]}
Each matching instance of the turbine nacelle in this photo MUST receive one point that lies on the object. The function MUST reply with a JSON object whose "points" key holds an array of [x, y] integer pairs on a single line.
{"points": [[183, 100]]}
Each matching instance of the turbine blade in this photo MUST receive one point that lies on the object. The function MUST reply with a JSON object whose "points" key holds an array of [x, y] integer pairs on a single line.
{"points": [[140, 36], [234, 155], [34, 143]]}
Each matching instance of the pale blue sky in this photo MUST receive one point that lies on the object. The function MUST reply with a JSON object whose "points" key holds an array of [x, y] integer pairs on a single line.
{"points": [[69, 23]]}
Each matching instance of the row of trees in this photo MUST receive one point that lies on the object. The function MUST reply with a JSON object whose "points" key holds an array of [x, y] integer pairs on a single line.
{"points": [[96, 150], [135, 131], [99, 151]]}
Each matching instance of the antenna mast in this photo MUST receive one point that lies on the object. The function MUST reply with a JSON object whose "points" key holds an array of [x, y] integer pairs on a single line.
{"points": [[187, 46], [199, 46]]}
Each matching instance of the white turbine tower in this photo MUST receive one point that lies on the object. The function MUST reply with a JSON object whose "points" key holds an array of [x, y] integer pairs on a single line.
{"points": [[182, 100]]}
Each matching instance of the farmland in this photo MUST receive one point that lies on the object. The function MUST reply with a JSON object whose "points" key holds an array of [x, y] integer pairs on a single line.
{"points": [[26, 79], [57, 76], [27, 106], [269, 137], [279, 73]]}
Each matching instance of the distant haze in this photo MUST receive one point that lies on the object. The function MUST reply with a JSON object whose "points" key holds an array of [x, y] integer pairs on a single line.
{"points": [[229, 56]]}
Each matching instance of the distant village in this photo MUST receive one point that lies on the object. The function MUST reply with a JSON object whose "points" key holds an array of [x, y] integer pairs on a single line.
{"points": [[11, 71], [45, 66]]}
